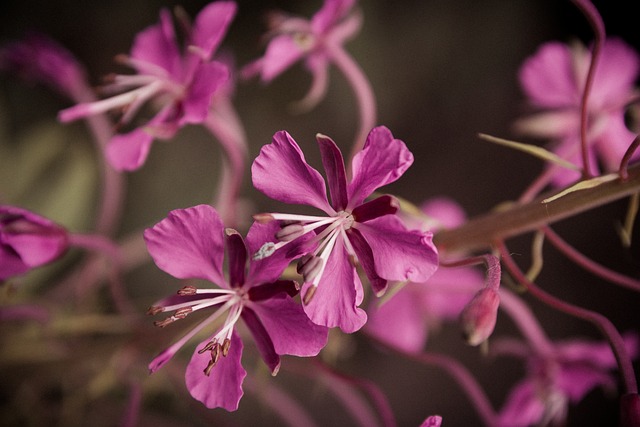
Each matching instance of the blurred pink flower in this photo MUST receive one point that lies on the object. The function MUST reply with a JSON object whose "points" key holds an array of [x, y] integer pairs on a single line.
{"points": [[181, 83], [554, 380], [554, 80], [294, 38], [28, 241]]}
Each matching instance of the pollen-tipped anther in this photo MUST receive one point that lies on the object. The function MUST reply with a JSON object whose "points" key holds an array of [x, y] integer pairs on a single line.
{"points": [[154, 309], [263, 218], [265, 251], [226, 344], [308, 296], [310, 269], [290, 232], [187, 290]]}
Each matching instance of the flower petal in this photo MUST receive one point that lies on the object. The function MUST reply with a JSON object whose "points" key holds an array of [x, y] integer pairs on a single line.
{"points": [[223, 387], [615, 74], [290, 329], [338, 295], [281, 172], [211, 25], [329, 15], [522, 407], [262, 339], [189, 243], [268, 269], [281, 53], [548, 77], [400, 321], [382, 161], [399, 254], [334, 168], [128, 152], [156, 45], [207, 79]]}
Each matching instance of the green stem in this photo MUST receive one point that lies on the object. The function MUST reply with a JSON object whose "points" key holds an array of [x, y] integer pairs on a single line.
{"points": [[482, 232]]}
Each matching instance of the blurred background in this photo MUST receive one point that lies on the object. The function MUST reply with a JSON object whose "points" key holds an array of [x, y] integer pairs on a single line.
{"points": [[442, 71]]}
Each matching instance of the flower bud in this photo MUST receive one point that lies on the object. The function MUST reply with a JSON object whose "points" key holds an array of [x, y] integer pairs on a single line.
{"points": [[479, 316]]}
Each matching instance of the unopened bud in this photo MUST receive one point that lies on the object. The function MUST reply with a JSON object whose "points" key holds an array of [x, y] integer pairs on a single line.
{"points": [[479, 316]]}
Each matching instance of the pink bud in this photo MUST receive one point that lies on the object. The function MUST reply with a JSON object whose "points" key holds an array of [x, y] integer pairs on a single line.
{"points": [[479, 316]]}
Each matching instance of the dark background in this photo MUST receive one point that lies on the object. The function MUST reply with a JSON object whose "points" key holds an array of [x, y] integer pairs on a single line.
{"points": [[442, 71]]}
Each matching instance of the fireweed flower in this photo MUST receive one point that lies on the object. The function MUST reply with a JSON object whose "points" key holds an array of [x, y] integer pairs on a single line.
{"points": [[354, 231], [190, 243], [180, 83], [555, 380], [554, 80], [293, 38], [405, 320], [28, 241]]}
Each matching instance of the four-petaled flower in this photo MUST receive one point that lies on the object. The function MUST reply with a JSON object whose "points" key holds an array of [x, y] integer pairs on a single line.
{"points": [[353, 232], [554, 380], [554, 80], [28, 241], [294, 38], [190, 243], [181, 84]]}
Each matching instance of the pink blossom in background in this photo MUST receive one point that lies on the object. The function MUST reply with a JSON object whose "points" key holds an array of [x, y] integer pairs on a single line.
{"points": [[556, 380], [27, 241], [355, 231], [190, 243], [294, 38], [181, 83], [406, 318], [553, 79]]}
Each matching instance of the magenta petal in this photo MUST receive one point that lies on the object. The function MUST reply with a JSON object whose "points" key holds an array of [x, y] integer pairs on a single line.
{"points": [[330, 13], [156, 45], [615, 75], [290, 329], [206, 80], [189, 243], [339, 293], [268, 269], [37, 249], [223, 387], [366, 260], [400, 322], [399, 254], [128, 152], [382, 161], [211, 25], [236, 257], [281, 53], [11, 264], [548, 77], [281, 172], [522, 408], [576, 380], [334, 168], [262, 340]]}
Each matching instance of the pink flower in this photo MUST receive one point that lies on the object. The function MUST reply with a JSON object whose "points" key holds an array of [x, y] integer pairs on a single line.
{"points": [[181, 84], [554, 380], [554, 80], [353, 232], [295, 38], [28, 241], [190, 243], [405, 320]]}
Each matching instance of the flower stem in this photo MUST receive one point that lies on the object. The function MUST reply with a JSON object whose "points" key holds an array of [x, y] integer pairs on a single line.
{"points": [[601, 322], [363, 91], [482, 232]]}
